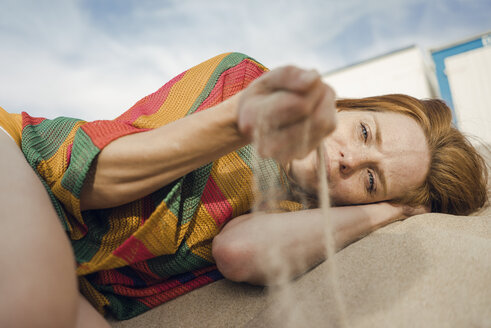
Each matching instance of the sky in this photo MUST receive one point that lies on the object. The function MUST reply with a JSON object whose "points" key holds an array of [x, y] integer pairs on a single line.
{"points": [[93, 59]]}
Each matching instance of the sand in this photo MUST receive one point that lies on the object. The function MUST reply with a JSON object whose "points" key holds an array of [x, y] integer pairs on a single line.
{"points": [[431, 270]]}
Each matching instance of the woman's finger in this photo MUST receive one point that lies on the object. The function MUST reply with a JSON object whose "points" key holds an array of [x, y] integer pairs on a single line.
{"points": [[298, 139], [283, 108], [265, 109], [289, 78]]}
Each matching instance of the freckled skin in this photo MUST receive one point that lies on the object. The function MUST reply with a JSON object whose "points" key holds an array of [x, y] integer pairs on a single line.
{"points": [[402, 155]]}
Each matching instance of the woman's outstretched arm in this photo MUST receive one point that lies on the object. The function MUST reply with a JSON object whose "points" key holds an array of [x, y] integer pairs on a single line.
{"points": [[133, 166], [269, 248]]}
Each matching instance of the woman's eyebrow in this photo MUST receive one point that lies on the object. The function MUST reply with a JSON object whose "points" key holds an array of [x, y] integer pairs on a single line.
{"points": [[378, 141]]}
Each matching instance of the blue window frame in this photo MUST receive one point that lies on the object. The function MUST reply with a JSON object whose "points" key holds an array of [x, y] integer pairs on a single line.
{"points": [[439, 56]]}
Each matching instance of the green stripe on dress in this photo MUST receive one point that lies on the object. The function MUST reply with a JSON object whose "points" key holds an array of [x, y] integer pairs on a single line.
{"points": [[46, 137], [83, 153], [183, 261], [86, 247], [228, 62]]}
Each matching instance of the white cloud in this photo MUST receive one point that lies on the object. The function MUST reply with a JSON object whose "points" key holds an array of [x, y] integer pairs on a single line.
{"points": [[67, 58]]}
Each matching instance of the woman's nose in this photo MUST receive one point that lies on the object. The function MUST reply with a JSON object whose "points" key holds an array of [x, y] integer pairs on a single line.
{"points": [[350, 161]]}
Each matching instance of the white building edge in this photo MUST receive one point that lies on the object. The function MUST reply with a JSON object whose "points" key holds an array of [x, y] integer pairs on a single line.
{"points": [[458, 73]]}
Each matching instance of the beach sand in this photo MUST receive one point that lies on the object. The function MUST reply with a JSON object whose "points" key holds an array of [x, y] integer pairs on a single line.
{"points": [[431, 270]]}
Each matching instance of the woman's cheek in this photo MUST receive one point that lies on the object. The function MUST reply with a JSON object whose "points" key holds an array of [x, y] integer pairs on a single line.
{"points": [[345, 192], [337, 192]]}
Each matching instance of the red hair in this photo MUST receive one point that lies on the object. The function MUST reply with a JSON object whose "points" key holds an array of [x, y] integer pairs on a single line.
{"points": [[456, 182]]}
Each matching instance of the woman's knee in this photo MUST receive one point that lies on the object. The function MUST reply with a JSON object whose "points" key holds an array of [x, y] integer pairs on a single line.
{"points": [[38, 282], [28, 304], [39, 285]]}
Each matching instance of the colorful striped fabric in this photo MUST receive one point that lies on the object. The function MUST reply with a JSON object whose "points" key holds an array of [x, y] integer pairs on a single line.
{"points": [[139, 255]]}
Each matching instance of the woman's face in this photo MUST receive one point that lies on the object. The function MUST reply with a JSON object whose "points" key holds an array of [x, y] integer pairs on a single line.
{"points": [[371, 156]]}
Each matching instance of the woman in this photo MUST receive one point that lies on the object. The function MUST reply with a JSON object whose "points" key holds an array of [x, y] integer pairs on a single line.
{"points": [[144, 198]]}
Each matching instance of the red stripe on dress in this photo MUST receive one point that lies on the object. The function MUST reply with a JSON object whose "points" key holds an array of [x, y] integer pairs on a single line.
{"points": [[161, 288], [133, 250], [216, 203], [29, 120], [103, 132], [230, 82], [150, 104], [166, 289], [110, 277]]}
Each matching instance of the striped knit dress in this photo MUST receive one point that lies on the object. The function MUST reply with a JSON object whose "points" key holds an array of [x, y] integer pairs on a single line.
{"points": [[134, 257]]}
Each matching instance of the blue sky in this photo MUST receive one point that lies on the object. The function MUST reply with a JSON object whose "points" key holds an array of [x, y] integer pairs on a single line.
{"points": [[94, 59]]}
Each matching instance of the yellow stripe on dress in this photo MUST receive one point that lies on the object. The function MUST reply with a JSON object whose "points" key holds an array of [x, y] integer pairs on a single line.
{"points": [[205, 229], [234, 178], [182, 95], [12, 124], [160, 233]]}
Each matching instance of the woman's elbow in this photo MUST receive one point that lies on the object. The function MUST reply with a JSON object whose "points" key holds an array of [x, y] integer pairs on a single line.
{"points": [[234, 259]]}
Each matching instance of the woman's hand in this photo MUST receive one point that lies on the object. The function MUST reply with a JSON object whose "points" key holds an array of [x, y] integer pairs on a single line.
{"points": [[408, 211], [384, 213], [288, 111], [397, 212]]}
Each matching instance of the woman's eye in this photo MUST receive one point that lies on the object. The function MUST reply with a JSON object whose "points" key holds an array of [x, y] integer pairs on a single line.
{"points": [[371, 182], [364, 131]]}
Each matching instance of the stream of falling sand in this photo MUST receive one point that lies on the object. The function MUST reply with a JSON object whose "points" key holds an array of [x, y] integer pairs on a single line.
{"points": [[329, 236], [270, 192]]}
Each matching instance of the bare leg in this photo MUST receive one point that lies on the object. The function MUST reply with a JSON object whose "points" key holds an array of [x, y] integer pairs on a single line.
{"points": [[38, 285], [88, 317]]}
